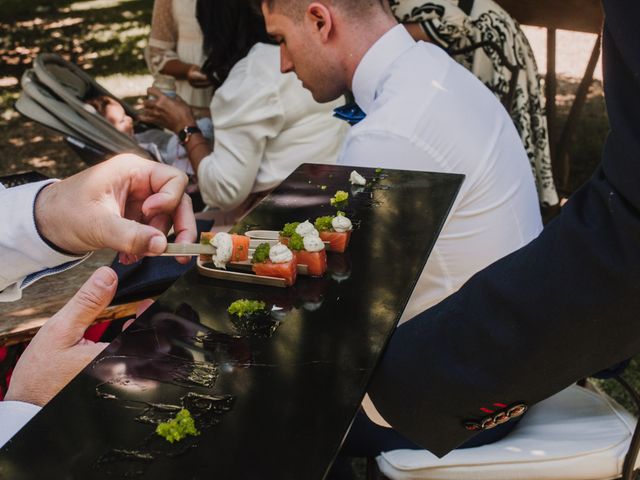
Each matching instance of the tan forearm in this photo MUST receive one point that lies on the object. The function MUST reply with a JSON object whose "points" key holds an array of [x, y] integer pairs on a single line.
{"points": [[417, 32], [177, 69], [197, 148]]}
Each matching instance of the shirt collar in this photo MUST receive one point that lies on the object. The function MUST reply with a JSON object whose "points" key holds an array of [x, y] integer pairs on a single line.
{"points": [[370, 70]]}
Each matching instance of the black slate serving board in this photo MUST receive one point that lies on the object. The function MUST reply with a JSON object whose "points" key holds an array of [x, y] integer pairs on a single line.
{"points": [[273, 399]]}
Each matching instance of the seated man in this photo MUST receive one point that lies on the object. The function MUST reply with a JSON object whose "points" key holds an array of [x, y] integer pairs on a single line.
{"points": [[50, 227], [423, 112]]}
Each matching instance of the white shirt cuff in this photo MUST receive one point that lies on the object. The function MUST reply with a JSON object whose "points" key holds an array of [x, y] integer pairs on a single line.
{"points": [[14, 416], [22, 250]]}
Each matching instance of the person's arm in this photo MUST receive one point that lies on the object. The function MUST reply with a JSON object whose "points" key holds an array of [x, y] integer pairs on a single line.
{"points": [[443, 23], [23, 251], [417, 31], [56, 354], [161, 55], [174, 114], [246, 113], [127, 204], [558, 310]]}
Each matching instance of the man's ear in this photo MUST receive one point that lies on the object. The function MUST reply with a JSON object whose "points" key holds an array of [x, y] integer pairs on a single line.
{"points": [[320, 18]]}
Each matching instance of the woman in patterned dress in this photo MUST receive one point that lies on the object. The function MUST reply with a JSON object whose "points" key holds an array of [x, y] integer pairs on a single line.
{"points": [[460, 25]]}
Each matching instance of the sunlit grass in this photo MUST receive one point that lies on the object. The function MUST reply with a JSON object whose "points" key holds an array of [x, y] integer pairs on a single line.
{"points": [[96, 5]]}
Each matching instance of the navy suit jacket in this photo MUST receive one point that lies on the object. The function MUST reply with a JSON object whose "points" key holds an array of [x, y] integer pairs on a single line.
{"points": [[561, 308]]}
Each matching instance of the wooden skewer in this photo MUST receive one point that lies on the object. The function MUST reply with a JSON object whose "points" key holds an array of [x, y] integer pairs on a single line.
{"points": [[188, 249]]}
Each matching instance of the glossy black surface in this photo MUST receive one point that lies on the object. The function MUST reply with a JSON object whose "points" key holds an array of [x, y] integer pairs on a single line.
{"points": [[273, 397]]}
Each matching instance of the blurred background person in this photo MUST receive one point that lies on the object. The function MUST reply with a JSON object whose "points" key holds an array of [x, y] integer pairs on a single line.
{"points": [[265, 122], [174, 54], [484, 38]]}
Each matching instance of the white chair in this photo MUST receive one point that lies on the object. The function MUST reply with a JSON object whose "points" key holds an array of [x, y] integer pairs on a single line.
{"points": [[576, 434]]}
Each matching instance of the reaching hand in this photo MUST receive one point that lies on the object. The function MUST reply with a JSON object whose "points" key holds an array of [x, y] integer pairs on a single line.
{"points": [[196, 78], [126, 203], [171, 113], [59, 352]]}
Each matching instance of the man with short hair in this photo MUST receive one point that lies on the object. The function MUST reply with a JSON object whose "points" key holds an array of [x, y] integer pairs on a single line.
{"points": [[423, 112]]}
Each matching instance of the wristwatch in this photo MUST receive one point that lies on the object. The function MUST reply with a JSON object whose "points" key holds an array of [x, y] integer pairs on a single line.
{"points": [[185, 134]]}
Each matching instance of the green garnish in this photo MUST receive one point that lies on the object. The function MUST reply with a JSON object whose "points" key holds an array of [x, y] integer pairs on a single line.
{"points": [[323, 224], [178, 428], [339, 197], [289, 229], [296, 242], [378, 170], [323, 187], [261, 253], [340, 213], [244, 307]]}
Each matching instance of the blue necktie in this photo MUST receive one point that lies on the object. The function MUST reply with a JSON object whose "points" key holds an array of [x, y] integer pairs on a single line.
{"points": [[350, 113]]}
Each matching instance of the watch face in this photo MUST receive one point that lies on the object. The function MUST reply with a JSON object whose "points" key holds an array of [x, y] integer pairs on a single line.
{"points": [[182, 135]]}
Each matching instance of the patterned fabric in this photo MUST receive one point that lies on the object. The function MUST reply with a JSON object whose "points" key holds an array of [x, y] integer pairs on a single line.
{"points": [[176, 35], [451, 28]]}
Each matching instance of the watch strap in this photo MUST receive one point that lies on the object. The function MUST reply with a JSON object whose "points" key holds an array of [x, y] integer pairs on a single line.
{"points": [[185, 134]]}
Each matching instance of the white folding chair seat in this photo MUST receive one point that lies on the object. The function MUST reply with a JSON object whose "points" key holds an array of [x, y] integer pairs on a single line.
{"points": [[576, 434]]}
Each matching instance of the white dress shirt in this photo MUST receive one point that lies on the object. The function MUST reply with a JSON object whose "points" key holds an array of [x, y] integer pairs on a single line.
{"points": [[25, 258], [266, 124], [426, 112]]}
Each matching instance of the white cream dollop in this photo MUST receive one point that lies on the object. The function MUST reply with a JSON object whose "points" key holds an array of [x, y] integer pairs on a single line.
{"points": [[306, 229], [280, 253], [341, 224], [356, 179], [313, 244], [224, 248]]}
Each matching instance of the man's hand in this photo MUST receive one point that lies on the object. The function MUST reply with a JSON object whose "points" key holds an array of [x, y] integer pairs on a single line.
{"points": [[171, 113], [126, 203], [59, 352]]}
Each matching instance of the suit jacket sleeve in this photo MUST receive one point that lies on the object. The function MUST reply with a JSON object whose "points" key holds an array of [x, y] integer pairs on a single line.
{"points": [[559, 309]]}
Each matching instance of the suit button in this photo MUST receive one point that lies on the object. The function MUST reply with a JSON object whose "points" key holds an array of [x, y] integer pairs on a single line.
{"points": [[472, 426], [488, 423], [501, 418], [517, 410]]}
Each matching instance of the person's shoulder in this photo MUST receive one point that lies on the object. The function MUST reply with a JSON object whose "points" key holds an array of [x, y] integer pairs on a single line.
{"points": [[258, 71], [263, 62]]}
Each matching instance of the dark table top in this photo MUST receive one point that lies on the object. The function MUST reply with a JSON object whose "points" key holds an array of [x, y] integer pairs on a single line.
{"points": [[273, 399]]}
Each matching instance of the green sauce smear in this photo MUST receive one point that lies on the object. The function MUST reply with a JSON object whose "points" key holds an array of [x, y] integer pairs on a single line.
{"points": [[178, 428], [289, 229], [245, 307], [323, 224], [261, 253], [340, 197], [296, 242]]}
